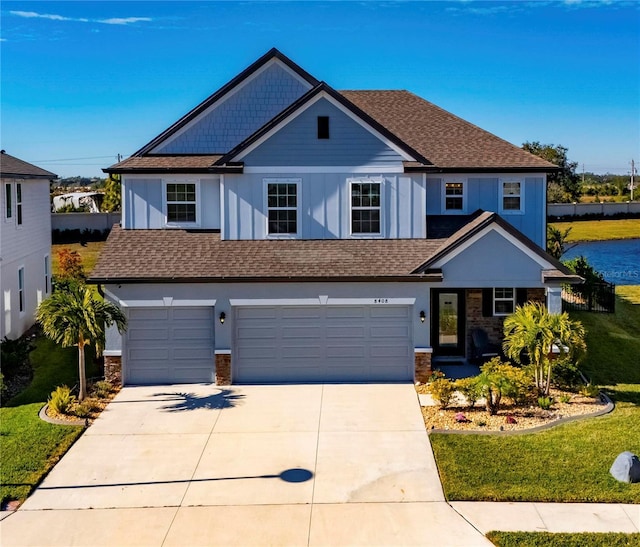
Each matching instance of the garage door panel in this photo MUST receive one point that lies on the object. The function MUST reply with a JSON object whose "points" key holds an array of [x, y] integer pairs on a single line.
{"points": [[169, 344], [322, 343]]}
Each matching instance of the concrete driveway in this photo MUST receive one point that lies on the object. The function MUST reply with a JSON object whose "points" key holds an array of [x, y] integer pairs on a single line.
{"points": [[247, 465]]}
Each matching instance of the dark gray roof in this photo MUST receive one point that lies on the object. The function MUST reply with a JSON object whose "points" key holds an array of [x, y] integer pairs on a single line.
{"points": [[11, 166]]}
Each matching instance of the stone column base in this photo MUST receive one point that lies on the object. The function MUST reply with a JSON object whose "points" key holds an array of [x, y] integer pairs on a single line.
{"points": [[423, 366], [113, 370], [223, 369]]}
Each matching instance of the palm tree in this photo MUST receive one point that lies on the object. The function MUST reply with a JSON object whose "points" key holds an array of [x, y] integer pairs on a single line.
{"points": [[74, 317], [532, 331], [556, 241]]}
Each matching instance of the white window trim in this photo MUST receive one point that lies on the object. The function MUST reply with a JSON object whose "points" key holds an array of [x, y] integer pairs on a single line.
{"points": [[504, 211], [366, 180], [265, 192], [168, 224], [47, 274], [22, 291], [9, 202], [512, 299], [446, 211]]}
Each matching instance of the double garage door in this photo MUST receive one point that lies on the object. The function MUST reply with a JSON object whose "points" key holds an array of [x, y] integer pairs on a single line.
{"points": [[170, 345], [322, 344]]}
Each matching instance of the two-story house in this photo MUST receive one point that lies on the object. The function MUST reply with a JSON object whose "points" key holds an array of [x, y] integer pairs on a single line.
{"points": [[283, 231], [25, 243]]}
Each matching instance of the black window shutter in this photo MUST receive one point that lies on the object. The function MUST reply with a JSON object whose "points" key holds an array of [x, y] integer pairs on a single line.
{"points": [[487, 302], [521, 296]]}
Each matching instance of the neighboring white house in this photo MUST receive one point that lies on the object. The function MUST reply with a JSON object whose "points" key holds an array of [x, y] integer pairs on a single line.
{"points": [[25, 243]]}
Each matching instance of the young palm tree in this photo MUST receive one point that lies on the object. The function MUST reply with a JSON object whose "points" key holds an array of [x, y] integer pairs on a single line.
{"points": [[532, 331], [556, 241], [74, 317]]}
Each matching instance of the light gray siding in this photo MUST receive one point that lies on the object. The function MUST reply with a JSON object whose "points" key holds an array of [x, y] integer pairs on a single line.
{"points": [[144, 203], [324, 205], [297, 143], [239, 115], [24, 246]]}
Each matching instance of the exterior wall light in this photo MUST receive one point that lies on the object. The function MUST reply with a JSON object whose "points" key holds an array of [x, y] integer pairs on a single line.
{"points": [[422, 316], [222, 317]]}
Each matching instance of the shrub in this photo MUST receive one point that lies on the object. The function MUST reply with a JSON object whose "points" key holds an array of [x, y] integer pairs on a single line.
{"points": [[589, 390], [102, 389], [565, 399], [87, 407], [2, 386], [470, 390], [545, 402], [442, 391], [14, 354], [61, 399], [566, 374], [498, 380]]}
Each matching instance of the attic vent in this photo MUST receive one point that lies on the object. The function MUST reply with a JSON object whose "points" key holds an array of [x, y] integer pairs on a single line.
{"points": [[323, 127]]}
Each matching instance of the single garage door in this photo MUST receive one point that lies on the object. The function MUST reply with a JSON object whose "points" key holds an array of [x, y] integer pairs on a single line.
{"points": [[169, 345], [322, 344]]}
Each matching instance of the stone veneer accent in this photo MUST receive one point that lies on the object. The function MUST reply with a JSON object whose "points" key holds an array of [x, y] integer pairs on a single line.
{"points": [[423, 366], [223, 369], [113, 370]]}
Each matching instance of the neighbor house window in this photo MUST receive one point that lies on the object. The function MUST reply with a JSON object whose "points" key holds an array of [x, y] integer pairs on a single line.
{"points": [[282, 207], [19, 203], [323, 127], [511, 196], [453, 196], [21, 289], [181, 202], [504, 301], [46, 274], [365, 207], [8, 204]]}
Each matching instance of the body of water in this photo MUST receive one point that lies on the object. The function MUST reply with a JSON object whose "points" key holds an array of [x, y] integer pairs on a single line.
{"points": [[618, 260]]}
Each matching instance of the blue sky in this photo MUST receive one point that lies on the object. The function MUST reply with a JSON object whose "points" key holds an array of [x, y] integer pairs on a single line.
{"points": [[84, 81]]}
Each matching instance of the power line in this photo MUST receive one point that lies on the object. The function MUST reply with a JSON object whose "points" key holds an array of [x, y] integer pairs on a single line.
{"points": [[75, 159]]}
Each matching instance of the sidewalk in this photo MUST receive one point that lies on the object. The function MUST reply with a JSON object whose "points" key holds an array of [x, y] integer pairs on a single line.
{"points": [[549, 517]]}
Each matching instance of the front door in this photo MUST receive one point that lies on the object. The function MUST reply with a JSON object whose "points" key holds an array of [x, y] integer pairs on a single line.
{"points": [[447, 322]]}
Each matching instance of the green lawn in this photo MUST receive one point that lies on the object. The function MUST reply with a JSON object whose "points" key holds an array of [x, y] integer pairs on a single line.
{"points": [[600, 230], [89, 253], [29, 446], [546, 539], [569, 462]]}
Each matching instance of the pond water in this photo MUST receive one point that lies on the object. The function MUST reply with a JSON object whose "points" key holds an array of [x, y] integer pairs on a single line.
{"points": [[618, 260]]}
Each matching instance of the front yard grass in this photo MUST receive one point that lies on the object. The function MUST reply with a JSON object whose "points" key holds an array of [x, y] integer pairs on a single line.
{"points": [[600, 230], [568, 463], [546, 539], [29, 446]]}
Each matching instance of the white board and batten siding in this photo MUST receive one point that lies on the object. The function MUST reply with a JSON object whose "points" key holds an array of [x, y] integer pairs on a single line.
{"points": [[322, 344], [169, 345]]}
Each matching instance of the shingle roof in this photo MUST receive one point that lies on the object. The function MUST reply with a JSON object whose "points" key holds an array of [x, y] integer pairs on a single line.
{"points": [[166, 163], [11, 166], [448, 141], [179, 255]]}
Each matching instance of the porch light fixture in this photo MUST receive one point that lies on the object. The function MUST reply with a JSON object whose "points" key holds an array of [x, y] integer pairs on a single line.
{"points": [[422, 316], [222, 317]]}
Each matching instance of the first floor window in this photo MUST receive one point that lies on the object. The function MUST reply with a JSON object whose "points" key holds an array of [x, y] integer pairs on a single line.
{"points": [[19, 203], [181, 202], [365, 207], [8, 201], [282, 207], [511, 196], [453, 194], [46, 274], [504, 301], [21, 289]]}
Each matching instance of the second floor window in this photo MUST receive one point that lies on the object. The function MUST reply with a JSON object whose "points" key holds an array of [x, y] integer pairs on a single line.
{"points": [[8, 203], [365, 207], [282, 207], [453, 196], [511, 196], [19, 203], [181, 202]]}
